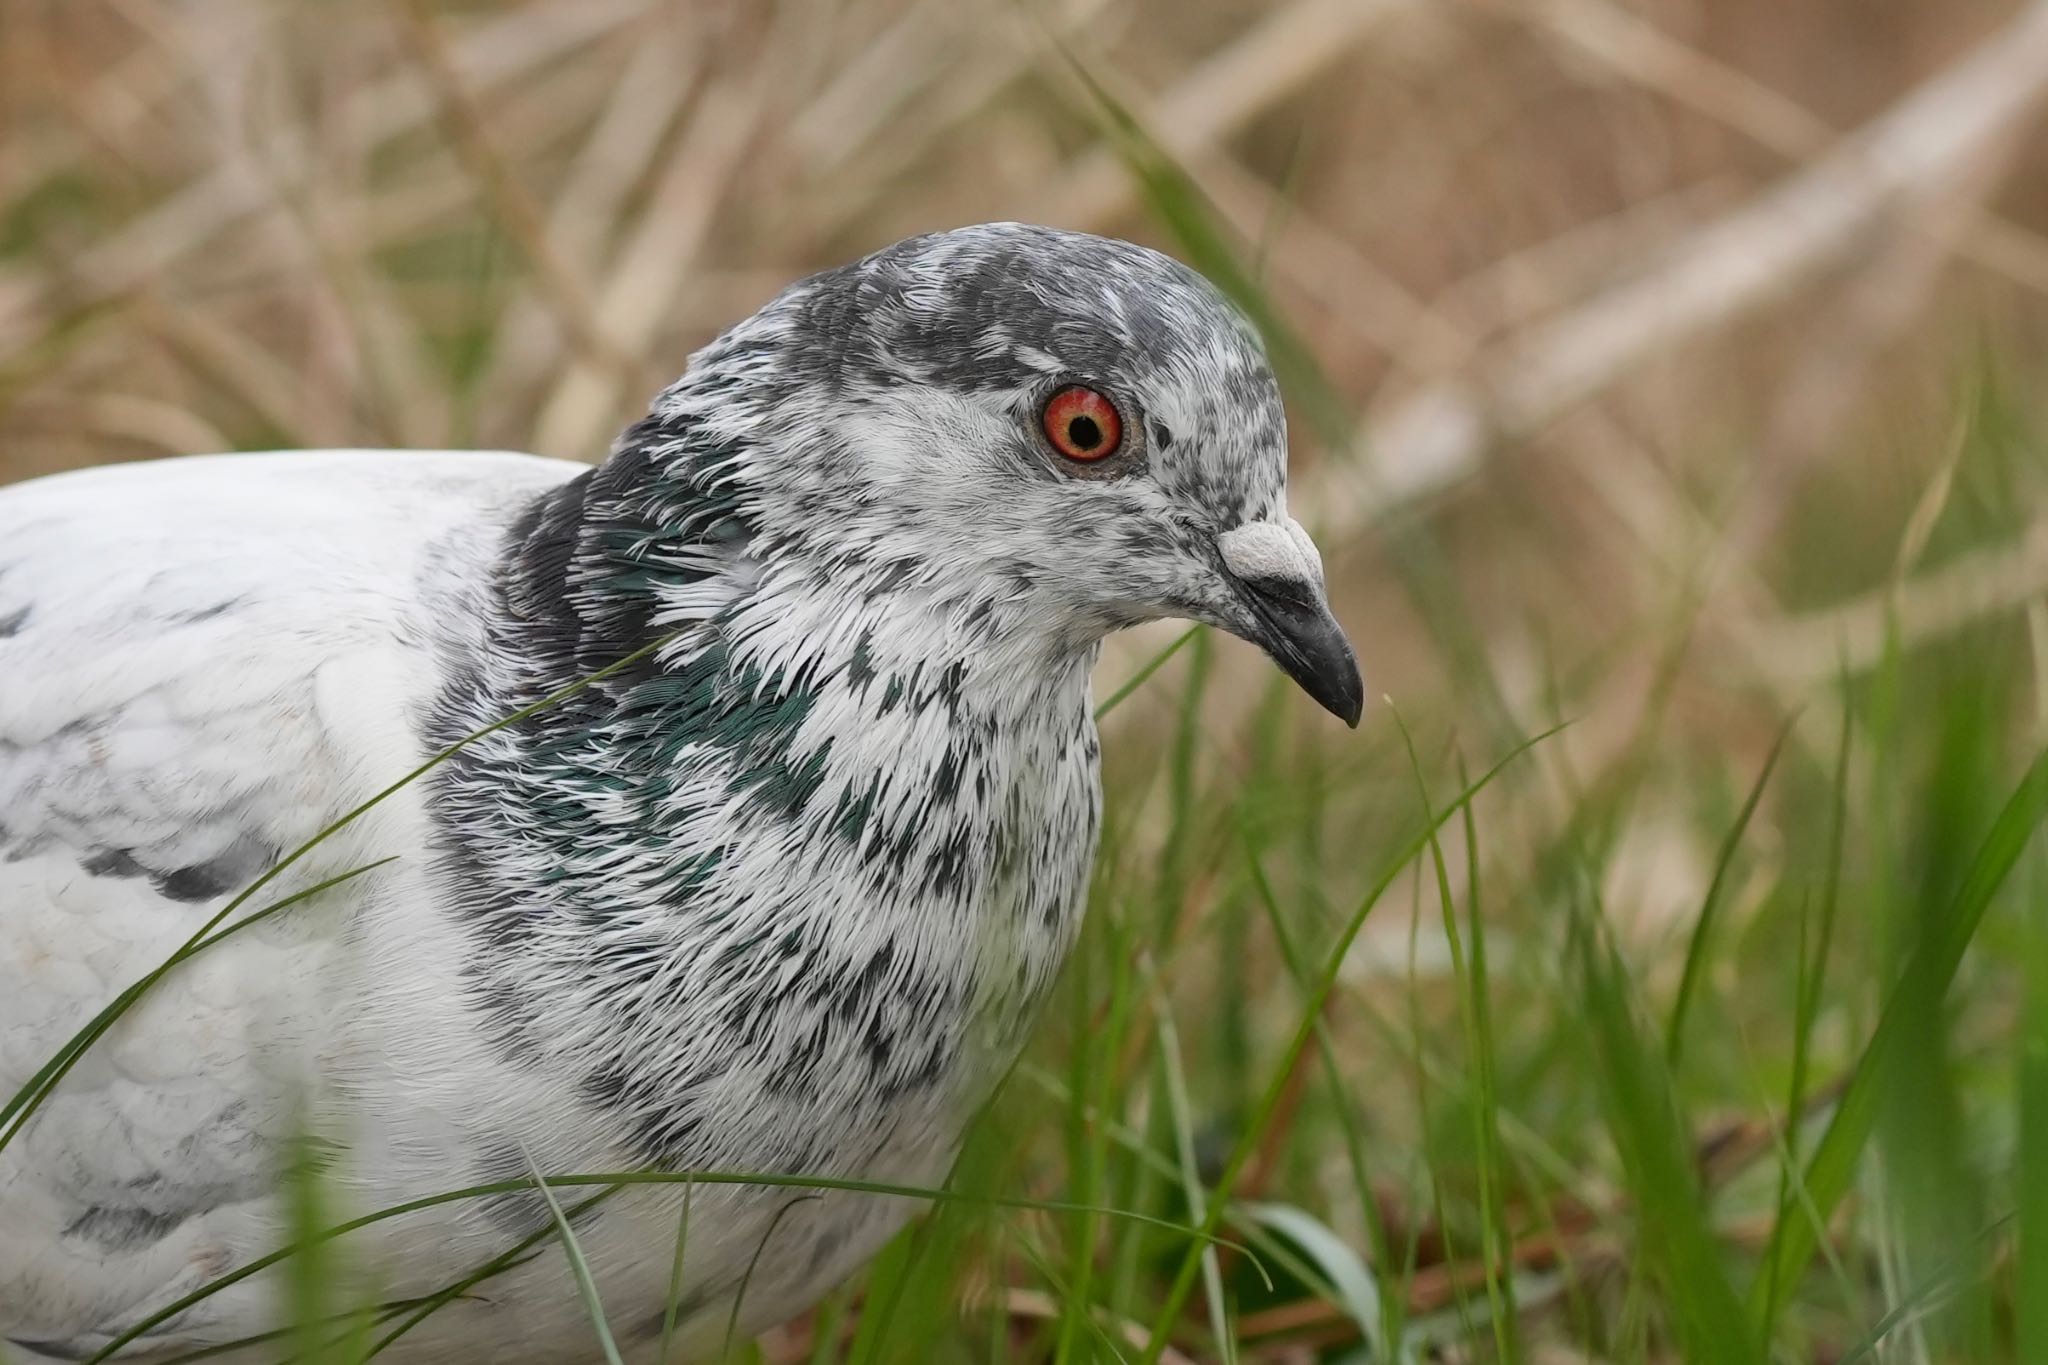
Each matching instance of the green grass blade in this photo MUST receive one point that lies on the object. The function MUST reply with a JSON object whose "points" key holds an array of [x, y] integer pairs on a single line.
{"points": [[363, 1321], [1085, 1143], [1492, 1168], [1656, 1152], [1926, 979], [732, 1321], [1813, 976], [1811, 981], [1710, 908], [1144, 675], [766, 1180], [586, 1283], [312, 1278], [675, 1277], [1181, 1117], [518, 1254], [888, 1282], [826, 1328], [1926, 1296], [1065, 1294], [1479, 1048], [1392, 1306], [1312, 1010], [2030, 1293]]}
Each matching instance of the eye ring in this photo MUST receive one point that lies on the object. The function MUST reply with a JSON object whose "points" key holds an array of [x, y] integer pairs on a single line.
{"points": [[1082, 424]]}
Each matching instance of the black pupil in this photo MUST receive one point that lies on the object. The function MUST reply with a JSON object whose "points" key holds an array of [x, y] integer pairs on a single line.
{"points": [[1083, 432]]}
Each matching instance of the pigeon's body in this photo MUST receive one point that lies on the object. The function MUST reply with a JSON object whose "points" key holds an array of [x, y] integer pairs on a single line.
{"points": [[221, 657], [777, 892]]}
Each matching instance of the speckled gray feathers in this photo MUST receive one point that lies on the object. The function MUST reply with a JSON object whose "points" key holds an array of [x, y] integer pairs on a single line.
{"points": [[604, 842]]}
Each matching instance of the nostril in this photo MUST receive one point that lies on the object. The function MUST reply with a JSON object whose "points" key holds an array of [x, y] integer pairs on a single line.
{"points": [[1268, 551]]}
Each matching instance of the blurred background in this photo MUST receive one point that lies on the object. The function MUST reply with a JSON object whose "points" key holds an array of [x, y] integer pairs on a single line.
{"points": [[1674, 371]]}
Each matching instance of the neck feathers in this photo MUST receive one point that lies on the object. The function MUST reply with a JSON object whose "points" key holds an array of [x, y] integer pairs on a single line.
{"points": [[850, 784]]}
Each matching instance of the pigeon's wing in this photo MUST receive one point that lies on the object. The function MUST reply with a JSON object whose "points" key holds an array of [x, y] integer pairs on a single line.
{"points": [[202, 664]]}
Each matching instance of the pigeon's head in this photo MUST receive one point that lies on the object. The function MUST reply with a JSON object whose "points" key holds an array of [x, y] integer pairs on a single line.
{"points": [[1058, 435]]}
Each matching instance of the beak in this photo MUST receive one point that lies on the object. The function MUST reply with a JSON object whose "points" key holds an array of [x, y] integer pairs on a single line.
{"points": [[1295, 626]]}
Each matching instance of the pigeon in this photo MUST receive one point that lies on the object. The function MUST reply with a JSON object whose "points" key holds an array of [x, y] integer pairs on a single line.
{"points": [[769, 818]]}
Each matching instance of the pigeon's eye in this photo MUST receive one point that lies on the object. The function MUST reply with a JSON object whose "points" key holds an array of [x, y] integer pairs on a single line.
{"points": [[1082, 424]]}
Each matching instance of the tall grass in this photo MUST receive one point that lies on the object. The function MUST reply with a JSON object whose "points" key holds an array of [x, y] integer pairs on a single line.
{"points": [[1611, 1002]]}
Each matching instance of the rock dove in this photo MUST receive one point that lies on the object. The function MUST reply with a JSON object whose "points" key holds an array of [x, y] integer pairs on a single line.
{"points": [[778, 892]]}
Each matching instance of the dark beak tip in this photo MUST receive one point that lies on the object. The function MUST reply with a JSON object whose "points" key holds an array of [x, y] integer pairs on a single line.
{"points": [[1353, 712], [1328, 672], [1346, 698], [1296, 629]]}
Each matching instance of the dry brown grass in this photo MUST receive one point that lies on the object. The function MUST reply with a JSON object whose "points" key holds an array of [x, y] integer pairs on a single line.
{"points": [[253, 224]]}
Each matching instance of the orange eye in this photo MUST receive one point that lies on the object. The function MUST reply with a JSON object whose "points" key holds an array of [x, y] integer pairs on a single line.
{"points": [[1082, 424]]}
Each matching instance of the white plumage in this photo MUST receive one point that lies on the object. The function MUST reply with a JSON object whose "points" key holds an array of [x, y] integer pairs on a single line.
{"points": [[221, 648]]}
